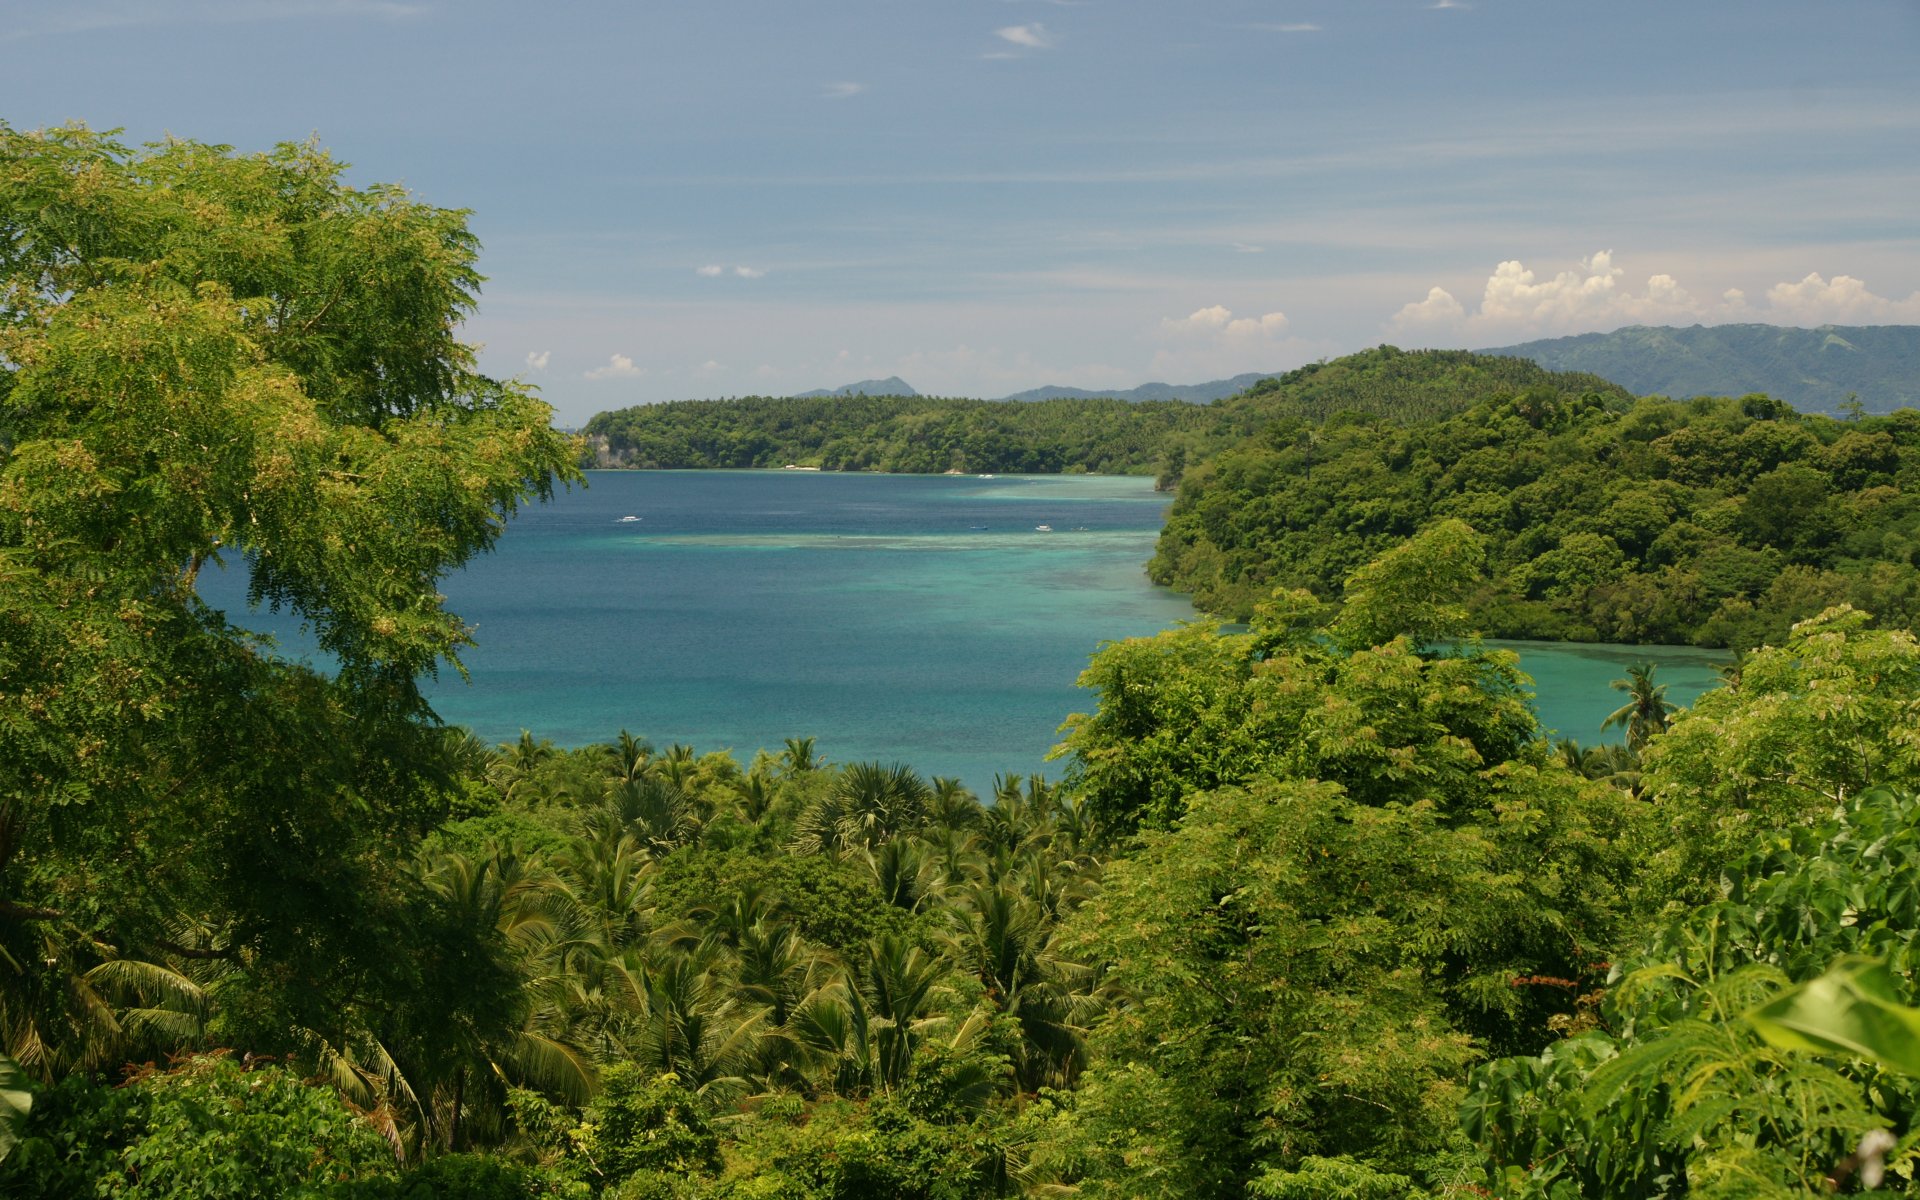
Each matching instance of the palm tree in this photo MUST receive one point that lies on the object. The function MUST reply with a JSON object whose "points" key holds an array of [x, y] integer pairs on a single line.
{"points": [[867, 805], [1646, 710], [655, 813], [798, 758], [632, 758], [953, 806], [515, 767]]}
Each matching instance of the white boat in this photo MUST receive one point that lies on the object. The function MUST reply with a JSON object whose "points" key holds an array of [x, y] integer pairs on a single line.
{"points": [[1043, 529], [624, 520]]}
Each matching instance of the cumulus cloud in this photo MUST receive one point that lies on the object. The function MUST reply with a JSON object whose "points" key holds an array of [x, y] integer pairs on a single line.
{"points": [[1516, 300], [842, 89], [1517, 303], [1211, 342], [1438, 309], [1460, 4], [716, 270], [1842, 301], [538, 359], [619, 366], [1219, 321], [1031, 37], [748, 272], [710, 271]]}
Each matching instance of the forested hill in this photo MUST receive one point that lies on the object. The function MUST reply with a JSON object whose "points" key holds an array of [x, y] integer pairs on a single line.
{"points": [[895, 433], [1815, 370], [930, 435], [1714, 521]]}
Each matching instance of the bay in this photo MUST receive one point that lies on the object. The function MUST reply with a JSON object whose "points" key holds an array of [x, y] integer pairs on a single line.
{"points": [[919, 619]]}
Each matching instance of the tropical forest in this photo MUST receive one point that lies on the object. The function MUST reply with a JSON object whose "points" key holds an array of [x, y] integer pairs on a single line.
{"points": [[1311, 906]]}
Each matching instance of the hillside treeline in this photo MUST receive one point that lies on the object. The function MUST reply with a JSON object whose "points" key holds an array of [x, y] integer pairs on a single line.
{"points": [[928, 435], [924, 435], [1717, 522]]}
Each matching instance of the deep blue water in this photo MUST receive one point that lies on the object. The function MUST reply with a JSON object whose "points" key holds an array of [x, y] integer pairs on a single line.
{"points": [[920, 619]]}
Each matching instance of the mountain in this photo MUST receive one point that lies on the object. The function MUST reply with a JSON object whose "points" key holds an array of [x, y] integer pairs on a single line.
{"points": [[1193, 393], [1815, 370], [892, 385]]}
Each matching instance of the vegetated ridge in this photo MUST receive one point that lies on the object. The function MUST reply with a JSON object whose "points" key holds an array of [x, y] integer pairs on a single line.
{"points": [[932, 434], [925, 434], [1713, 521], [1815, 370]]}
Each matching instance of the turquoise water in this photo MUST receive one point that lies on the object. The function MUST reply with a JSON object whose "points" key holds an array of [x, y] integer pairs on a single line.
{"points": [[921, 619]]}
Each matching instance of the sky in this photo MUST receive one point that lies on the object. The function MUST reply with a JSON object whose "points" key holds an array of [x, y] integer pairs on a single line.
{"points": [[729, 197]]}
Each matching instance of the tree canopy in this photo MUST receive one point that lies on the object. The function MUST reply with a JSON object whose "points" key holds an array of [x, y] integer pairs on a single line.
{"points": [[211, 357]]}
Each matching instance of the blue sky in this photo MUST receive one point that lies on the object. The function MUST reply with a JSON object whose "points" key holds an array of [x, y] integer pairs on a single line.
{"points": [[724, 197]]}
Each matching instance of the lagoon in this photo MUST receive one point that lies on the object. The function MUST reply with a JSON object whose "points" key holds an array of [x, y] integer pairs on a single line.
{"points": [[919, 619]]}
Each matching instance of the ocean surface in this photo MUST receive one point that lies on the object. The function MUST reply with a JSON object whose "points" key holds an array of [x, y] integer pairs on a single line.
{"points": [[919, 619]]}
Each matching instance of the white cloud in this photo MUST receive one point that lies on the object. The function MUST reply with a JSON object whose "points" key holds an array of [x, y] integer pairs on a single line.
{"points": [[1459, 4], [619, 366], [538, 359], [1219, 321], [1517, 301], [710, 271], [1033, 37], [1211, 342], [1516, 304], [748, 272], [842, 89], [1842, 301], [1438, 309], [1249, 248]]}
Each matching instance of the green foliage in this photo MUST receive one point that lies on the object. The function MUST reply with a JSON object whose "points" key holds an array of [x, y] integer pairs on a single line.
{"points": [[1718, 522], [1853, 1011], [909, 434], [1308, 976], [1831, 712], [1681, 1092], [1417, 590], [206, 1128], [1193, 709], [852, 1152], [16, 1105], [463, 1177], [1333, 1179], [214, 357], [638, 1123]]}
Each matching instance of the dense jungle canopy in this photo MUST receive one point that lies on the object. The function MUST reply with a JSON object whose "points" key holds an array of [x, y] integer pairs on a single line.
{"points": [[1315, 910]]}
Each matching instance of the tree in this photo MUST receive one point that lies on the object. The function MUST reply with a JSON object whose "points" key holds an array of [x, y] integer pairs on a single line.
{"points": [[1813, 722], [216, 358], [1646, 711]]}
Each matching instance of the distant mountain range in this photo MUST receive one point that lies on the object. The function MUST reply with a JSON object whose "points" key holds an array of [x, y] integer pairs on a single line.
{"points": [[1193, 393], [892, 385], [1814, 370]]}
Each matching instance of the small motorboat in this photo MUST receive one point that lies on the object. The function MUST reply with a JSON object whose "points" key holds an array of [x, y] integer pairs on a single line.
{"points": [[624, 520], [1043, 529]]}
